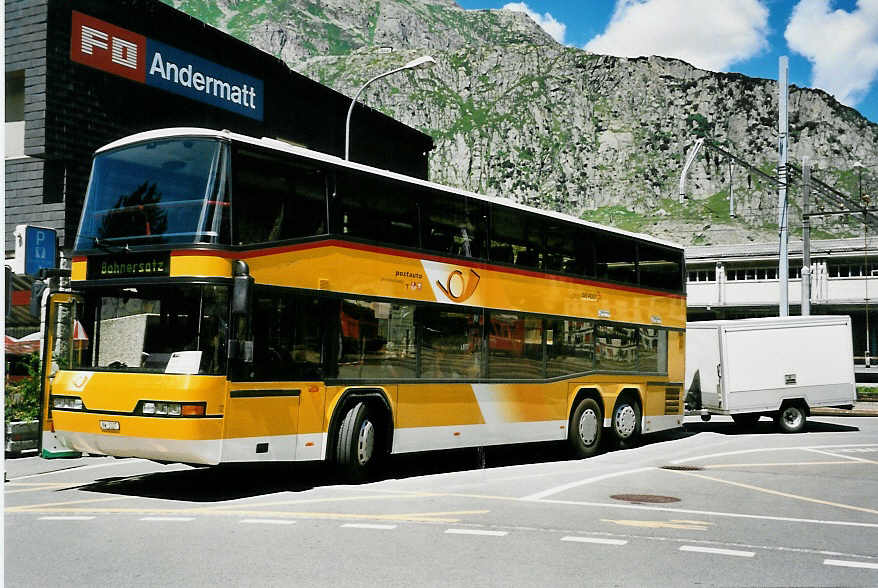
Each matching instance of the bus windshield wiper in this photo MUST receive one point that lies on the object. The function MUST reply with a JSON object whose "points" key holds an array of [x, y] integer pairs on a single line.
{"points": [[102, 245]]}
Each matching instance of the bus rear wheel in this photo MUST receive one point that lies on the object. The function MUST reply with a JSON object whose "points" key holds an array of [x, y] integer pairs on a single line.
{"points": [[358, 446], [586, 426], [626, 422]]}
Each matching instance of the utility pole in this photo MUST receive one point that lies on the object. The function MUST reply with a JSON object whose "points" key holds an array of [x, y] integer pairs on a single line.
{"points": [[806, 237], [783, 270]]}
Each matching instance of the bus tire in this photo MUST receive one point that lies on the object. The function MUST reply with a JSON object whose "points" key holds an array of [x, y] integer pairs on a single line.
{"points": [[358, 446], [586, 427], [626, 421], [791, 419]]}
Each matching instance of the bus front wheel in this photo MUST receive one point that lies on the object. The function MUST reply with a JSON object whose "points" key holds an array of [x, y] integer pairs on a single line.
{"points": [[358, 446], [586, 426]]}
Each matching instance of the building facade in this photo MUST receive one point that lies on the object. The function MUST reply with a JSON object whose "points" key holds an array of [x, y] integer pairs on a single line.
{"points": [[83, 73], [741, 281]]}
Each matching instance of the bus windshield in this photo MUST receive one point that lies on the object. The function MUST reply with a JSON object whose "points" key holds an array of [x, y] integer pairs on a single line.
{"points": [[165, 191], [163, 329]]}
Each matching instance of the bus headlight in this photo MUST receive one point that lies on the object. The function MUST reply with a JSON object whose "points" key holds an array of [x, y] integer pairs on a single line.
{"points": [[171, 409], [67, 402]]}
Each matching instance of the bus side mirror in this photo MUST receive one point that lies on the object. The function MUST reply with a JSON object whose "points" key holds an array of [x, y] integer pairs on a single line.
{"points": [[242, 286]]}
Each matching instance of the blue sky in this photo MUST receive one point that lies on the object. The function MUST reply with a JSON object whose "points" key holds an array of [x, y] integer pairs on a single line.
{"points": [[831, 44]]}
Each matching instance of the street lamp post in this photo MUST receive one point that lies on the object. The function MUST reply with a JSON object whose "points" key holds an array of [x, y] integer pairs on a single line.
{"points": [[420, 62]]}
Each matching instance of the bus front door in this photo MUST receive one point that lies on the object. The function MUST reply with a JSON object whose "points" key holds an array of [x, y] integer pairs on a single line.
{"points": [[63, 339]]}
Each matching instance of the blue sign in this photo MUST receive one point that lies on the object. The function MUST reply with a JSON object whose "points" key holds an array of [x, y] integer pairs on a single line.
{"points": [[40, 249], [191, 76]]}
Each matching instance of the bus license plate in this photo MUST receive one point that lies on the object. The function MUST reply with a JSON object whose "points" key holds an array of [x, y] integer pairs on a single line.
{"points": [[110, 426]]}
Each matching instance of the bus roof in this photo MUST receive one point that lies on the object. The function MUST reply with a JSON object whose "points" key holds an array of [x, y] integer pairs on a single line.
{"points": [[279, 145]]}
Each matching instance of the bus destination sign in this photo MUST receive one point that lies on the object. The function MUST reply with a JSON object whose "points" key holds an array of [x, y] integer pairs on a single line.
{"points": [[132, 265]]}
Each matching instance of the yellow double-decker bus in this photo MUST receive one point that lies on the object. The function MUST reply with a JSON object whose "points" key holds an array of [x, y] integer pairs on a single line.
{"points": [[245, 300]]}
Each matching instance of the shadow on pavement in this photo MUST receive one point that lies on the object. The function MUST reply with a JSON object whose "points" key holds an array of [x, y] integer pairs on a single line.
{"points": [[764, 426], [235, 481]]}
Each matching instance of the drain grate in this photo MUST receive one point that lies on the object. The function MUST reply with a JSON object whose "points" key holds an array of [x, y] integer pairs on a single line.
{"points": [[645, 498], [682, 468]]}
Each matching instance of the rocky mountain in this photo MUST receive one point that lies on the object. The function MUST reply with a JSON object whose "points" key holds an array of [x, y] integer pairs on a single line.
{"points": [[517, 115]]}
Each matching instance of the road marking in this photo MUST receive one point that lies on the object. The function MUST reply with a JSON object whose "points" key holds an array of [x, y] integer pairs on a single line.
{"points": [[81, 468], [428, 517], [850, 564], [713, 550], [764, 449], [39, 486], [597, 540], [167, 519], [69, 518], [776, 492], [711, 513], [368, 526], [847, 457], [558, 489], [52, 505], [675, 524], [476, 532], [775, 464], [251, 503], [267, 522]]}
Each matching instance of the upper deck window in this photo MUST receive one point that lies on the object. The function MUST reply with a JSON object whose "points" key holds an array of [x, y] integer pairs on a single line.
{"points": [[165, 191], [276, 197]]}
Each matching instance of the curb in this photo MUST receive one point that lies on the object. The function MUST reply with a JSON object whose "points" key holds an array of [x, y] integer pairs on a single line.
{"points": [[842, 412]]}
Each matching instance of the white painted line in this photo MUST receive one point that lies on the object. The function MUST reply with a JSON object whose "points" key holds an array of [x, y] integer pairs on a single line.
{"points": [[597, 540], [850, 564], [70, 518], [843, 456], [115, 462], [763, 449], [714, 550], [702, 513], [475, 532], [168, 519], [558, 489], [268, 522]]}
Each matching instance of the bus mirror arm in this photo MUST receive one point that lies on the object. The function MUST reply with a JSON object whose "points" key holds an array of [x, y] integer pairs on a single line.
{"points": [[241, 288]]}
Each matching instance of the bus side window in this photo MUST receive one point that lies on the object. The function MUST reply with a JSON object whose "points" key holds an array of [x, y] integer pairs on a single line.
{"points": [[276, 199]]}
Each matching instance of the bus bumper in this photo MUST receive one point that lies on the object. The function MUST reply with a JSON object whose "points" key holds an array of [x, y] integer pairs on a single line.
{"points": [[186, 440]]}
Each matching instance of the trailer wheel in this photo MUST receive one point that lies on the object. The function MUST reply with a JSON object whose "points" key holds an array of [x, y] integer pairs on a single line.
{"points": [[586, 426], [358, 447], [791, 419], [746, 419], [626, 422]]}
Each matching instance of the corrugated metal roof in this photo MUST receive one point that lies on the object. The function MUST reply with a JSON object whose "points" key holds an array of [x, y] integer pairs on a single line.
{"points": [[760, 251]]}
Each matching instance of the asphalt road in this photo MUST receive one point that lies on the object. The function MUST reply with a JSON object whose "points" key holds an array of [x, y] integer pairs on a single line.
{"points": [[709, 505]]}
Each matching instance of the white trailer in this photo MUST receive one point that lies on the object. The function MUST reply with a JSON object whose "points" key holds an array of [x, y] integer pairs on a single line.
{"points": [[778, 366]]}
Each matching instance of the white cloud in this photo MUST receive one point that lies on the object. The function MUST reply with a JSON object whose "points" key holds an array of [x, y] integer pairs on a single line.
{"points": [[554, 28], [841, 46], [709, 35]]}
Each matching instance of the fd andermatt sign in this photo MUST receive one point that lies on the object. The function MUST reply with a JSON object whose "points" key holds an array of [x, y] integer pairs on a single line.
{"points": [[121, 52]]}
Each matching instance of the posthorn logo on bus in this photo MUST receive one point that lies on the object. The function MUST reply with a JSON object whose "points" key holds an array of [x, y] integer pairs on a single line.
{"points": [[457, 287], [104, 46]]}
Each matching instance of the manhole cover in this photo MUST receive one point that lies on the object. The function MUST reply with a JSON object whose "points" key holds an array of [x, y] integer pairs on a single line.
{"points": [[645, 498], [682, 468]]}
